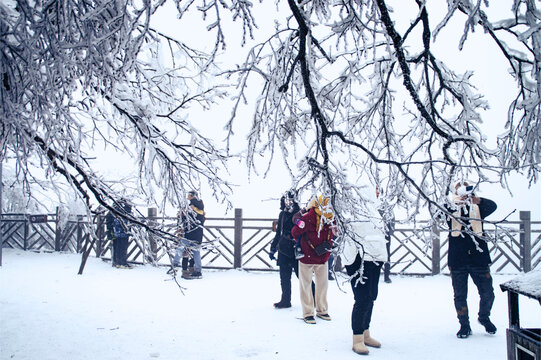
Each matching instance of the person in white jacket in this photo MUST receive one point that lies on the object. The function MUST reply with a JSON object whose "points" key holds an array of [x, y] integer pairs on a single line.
{"points": [[363, 254]]}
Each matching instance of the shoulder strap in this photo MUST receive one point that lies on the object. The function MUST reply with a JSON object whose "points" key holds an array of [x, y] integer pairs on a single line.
{"points": [[310, 243]]}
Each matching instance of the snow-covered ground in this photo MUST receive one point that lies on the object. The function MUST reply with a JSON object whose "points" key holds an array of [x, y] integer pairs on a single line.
{"points": [[47, 311]]}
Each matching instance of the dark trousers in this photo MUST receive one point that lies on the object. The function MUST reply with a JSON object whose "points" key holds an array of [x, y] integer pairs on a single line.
{"points": [[287, 267], [387, 266], [483, 280], [120, 251], [364, 295]]}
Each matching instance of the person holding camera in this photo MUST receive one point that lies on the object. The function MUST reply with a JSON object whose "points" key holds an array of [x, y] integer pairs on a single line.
{"points": [[469, 255], [315, 228], [283, 243]]}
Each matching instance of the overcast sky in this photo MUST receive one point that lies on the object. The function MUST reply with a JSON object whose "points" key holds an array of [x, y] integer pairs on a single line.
{"points": [[259, 196]]}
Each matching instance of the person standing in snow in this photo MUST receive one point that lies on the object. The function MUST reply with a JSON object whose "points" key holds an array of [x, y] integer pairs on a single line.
{"points": [[117, 232], [187, 257], [284, 244], [192, 229], [364, 253], [316, 231], [469, 256], [386, 212]]}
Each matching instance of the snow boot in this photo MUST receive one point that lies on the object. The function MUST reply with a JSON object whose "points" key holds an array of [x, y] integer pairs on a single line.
{"points": [[309, 320], [464, 332], [489, 326], [358, 345], [370, 341], [186, 275], [465, 329], [282, 305], [196, 275]]}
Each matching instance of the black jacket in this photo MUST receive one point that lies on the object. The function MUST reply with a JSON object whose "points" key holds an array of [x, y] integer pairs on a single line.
{"points": [[462, 249], [192, 222], [283, 242]]}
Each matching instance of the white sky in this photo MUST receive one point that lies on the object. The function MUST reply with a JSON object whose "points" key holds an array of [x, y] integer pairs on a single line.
{"points": [[259, 197]]}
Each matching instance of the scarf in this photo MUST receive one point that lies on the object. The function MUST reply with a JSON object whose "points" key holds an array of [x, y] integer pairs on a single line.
{"points": [[473, 213]]}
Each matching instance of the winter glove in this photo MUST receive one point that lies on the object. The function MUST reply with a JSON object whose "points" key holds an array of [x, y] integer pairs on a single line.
{"points": [[271, 255], [300, 224]]}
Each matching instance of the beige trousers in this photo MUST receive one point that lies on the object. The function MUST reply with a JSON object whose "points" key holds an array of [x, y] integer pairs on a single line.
{"points": [[321, 272]]}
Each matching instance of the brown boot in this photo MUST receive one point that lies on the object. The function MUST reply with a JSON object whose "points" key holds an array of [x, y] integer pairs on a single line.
{"points": [[358, 345], [186, 274], [370, 341]]}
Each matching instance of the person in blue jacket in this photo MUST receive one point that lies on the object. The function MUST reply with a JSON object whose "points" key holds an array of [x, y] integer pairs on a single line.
{"points": [[118, 233]]}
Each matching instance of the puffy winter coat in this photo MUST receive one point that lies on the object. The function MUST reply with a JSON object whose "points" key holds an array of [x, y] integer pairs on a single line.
{"points": [[462, 248], [193, 221], [366, 238], [283, 242], [310, 232]]}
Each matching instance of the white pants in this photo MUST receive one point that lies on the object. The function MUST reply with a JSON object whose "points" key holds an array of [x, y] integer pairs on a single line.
{"points": [[321, 272]]}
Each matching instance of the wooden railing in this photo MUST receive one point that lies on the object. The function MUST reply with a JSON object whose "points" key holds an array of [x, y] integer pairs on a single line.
{"points": [[244, 242]]}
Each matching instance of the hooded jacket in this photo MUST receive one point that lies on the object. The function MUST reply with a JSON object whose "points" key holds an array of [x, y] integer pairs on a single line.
{"points": [[368, 240], [316, 236], [193, 221], [283, 242], [366, 236]]}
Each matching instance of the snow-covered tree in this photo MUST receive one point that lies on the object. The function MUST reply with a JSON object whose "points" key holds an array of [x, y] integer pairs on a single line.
{"points": [[335, 74], [83, 77], [84, 73]]}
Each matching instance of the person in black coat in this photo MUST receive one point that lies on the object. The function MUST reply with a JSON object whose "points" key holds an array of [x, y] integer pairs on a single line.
{"points": [[117, 232], [284, 244], [469, 255], [192, 222]]}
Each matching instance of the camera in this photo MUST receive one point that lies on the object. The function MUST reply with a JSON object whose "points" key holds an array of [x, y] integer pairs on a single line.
{"points": [[465, 190]]}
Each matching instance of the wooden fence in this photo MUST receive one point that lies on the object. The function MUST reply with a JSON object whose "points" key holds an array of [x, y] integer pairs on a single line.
{"points": [[244, 242]]}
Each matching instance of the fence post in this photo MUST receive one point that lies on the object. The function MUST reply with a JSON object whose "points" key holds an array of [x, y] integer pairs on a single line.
{"points": [[26, 225], [152, 215], [57, 232], [525, 241], [79, 234], [100, 230], [435, 235], [237, 253]]}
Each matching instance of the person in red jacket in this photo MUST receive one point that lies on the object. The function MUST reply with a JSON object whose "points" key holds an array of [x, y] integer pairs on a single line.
{"points": [[314, 229]]}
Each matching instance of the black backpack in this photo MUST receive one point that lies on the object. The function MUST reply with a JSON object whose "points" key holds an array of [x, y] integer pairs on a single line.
{"points": [[109, 224]]}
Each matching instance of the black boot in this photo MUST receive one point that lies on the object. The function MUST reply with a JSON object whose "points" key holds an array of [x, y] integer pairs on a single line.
{"points": [[464, 332], [489, 326], [282, 304], [465, 329]]}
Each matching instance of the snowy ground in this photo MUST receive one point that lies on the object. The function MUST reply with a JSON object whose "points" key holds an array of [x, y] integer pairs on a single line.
{"points": [[49, 312]]}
